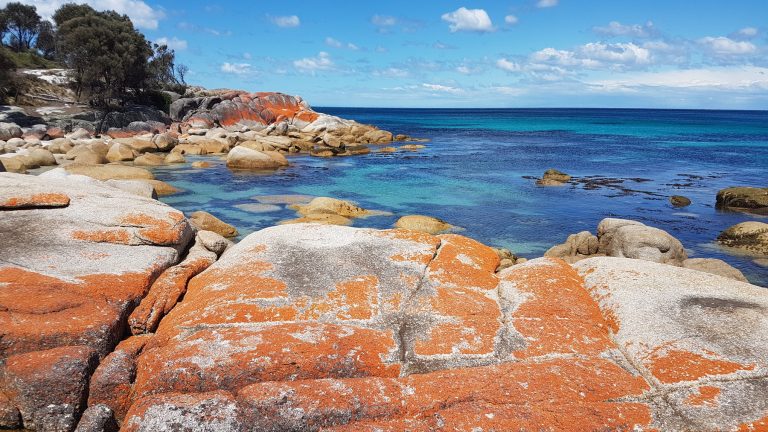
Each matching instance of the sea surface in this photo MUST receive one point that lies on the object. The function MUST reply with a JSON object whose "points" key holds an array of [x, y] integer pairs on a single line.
{"points": [[476, 173]]}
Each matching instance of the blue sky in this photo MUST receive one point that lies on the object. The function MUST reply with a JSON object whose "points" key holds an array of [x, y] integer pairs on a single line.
{"points": [[515, 53]]}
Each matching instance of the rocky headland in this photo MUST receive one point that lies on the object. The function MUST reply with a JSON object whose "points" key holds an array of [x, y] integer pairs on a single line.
{"points": [[254, 130]]}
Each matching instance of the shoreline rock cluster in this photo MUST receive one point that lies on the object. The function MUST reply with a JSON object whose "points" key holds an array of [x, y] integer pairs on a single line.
{"points": [[116, 312], [255, 131]]}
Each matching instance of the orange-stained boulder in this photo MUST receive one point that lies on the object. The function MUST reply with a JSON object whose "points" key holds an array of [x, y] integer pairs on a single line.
{"points": [[241, 108], [76, 258], [313, 327], [700, 338], [48, 388]]}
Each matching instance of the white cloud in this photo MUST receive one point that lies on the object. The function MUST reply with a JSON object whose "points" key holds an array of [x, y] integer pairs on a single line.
{"points": [[511, 19], [723, 46], [463, 19], [392, 72], [247, 56], [236, 68], [546, 3], [615, 28], [383, 20], [173, 43], [142, 15], [286, 21], [508, 65], [744, 78], [747, 32], [335, 43], [313, 64], [331, 42], [619, 53], [441, 88]]}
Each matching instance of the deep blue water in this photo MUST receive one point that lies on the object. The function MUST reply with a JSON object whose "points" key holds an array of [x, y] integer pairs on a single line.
{"points": [[472, 174]]}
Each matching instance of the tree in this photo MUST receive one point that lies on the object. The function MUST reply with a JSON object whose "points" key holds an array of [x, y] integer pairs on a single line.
{"points": [[3, 25], [69, 11], [108, 55], [46, 39], [23, 24], [181, 72]]}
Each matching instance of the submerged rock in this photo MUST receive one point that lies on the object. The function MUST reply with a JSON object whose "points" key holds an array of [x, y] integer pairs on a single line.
{"points": [[679, 201], [749, 237], [553, 177], [427, 224], [747, 199]]}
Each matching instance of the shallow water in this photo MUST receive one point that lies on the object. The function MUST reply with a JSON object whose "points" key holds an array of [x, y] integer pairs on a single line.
{"points": [[472, 174]]}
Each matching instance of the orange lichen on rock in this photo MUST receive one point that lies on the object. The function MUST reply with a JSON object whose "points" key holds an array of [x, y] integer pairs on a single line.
{"points": [[558, 394], [470, 326], [355, 299], [35, 200], [707, 395], [39, 311], [671, 365], [114, 236], [111, 383], [158, 231], [760, 425], [233, 357], [559, 316], [464, 262], [165, 293]]}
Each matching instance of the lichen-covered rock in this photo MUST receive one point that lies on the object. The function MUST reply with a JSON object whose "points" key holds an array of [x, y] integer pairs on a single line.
{"points": [[553, 177], [119, 152], [149, 159], [97, 418], [698, 337], [715, 266], [246, 158], [427, 224], [69, 274], [48, 387], [168, 289], [109, 172], [624, 239], [332, 206], [749, 199], [750, 237], [208, 222], [240, 108], [679, 201], [577, 246]]}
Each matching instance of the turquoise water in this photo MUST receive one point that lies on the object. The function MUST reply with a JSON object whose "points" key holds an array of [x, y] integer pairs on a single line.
{"points": [[473, 174]]}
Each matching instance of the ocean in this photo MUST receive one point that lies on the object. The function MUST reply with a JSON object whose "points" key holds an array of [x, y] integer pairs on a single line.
{"points": [[477, 171]]}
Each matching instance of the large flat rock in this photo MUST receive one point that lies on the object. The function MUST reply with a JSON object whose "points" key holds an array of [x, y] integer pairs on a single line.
{"points": [[310, 327], [75, 259], [698, 339]]}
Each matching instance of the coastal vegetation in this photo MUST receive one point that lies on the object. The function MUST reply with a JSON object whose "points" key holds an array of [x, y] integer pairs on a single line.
{"points": [[111, 63]]}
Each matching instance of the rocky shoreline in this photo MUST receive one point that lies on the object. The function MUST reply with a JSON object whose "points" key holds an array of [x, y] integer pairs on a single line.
{"points": [[118, 312]]}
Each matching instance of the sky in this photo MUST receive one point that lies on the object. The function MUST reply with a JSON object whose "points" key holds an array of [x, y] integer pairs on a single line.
{"points": [[501, 53]]}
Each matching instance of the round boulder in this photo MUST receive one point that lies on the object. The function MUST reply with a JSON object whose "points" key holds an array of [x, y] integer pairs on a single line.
{"points": [[208, 222], [245, 158], [749, 237], [427, 224]]}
